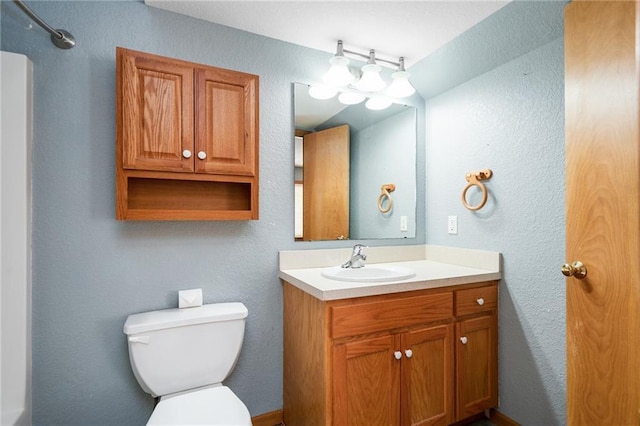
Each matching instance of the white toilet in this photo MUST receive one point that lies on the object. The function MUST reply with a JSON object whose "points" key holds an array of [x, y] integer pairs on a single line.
{"points": [[182, 356]]}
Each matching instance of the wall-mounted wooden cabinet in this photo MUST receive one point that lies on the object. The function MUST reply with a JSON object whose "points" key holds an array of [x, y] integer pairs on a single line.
{"points": [[390, 359], [187, 140]]}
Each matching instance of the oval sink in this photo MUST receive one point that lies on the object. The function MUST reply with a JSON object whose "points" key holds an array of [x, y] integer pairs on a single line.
{"points": [[368, 273]]}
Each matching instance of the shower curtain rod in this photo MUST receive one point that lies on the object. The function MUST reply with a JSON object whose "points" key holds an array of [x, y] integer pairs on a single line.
{"points": [[61, 38]]}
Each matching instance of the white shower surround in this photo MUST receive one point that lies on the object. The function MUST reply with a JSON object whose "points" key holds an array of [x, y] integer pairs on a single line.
{"points": [[15, 240]]}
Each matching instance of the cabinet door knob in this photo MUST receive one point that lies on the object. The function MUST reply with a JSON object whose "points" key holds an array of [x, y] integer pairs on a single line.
{"points": [[408, 353], [202, 155], [463, 340], [186, 153], [480, 301], [397, 354]]}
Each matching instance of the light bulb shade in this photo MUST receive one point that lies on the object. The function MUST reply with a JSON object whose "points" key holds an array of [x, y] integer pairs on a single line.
{"points": [[339, 74], [378, 102], [351, 98], [400, 87], [371, 80], [322, 92]]}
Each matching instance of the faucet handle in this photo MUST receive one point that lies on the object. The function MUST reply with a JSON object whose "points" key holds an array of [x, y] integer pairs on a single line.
{"points": [[359, 249]]}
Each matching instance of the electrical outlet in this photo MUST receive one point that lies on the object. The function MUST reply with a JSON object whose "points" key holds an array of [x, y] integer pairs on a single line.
{"points": [[403, 223], [452, 225]]}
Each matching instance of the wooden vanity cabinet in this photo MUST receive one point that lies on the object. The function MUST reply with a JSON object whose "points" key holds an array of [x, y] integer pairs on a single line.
{"points": [[476, 350], [187, 140], [377, 360]]}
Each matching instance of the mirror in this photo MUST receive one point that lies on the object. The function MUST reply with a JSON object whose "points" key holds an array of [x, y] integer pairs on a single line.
{"points": [[355, 170]]}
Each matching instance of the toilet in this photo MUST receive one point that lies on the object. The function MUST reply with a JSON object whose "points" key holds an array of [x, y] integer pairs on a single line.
{"points": [[182, 356]]}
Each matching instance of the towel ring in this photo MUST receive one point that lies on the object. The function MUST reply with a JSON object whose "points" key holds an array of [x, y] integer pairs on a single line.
{"points": [[474, 179], [386, 189]]}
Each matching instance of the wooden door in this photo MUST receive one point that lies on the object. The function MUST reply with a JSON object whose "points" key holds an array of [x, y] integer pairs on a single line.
{"points": [[427, 376], [155, 112], [366, 382], [326, 184], [603, 190], [226, 129], [476, 365]]}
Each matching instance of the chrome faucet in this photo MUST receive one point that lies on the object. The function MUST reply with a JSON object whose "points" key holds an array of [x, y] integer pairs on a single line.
{"points": [[357, 257]]}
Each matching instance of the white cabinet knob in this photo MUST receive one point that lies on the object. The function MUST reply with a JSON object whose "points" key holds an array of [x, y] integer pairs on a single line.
{"points": [[186, 153], [463, 340], [408, 353], [480, 301], [397, 354], [202, 155]]}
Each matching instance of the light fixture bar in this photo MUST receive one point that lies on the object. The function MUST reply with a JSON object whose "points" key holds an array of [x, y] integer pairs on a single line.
{"points": [[366, 55]]}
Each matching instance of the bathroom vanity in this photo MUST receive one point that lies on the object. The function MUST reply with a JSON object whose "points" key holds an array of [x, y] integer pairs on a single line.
{"points": [[419, 351]]}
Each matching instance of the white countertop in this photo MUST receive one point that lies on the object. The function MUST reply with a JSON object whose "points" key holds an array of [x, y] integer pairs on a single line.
{"points": [[435, 266]]}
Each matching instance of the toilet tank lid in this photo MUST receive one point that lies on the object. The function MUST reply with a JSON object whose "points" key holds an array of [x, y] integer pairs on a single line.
{"points": [[169, 318]]}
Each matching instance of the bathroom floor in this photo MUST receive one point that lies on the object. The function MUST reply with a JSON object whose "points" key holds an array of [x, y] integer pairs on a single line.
{"points": [[483, 422]]}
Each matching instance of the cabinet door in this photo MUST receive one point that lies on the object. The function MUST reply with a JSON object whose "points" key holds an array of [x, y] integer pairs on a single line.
{"points": [[156, 112], [226, 122], [427, 376], [366, 380], [476, 365]]}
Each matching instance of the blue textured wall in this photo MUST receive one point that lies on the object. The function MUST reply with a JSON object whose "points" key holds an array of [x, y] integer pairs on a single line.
{"points": [[498, 104], [511, 120], [91, 271]]}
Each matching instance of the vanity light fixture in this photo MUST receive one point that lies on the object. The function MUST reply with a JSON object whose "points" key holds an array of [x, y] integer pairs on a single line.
{"points": [[370, 81], [378, 102], [351, 98], [322, 92], [400, 87], [341, 78], [339, 74]]}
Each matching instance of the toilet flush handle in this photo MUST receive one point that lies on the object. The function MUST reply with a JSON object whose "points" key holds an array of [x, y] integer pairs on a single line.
{"points": [[139, 339]]}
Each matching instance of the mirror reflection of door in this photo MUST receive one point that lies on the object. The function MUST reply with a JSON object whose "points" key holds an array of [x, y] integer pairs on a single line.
{"points": [[325, 182]]}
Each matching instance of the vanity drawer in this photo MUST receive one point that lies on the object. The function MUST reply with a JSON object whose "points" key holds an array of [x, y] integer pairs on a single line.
{"points": [[477, 299], [380, 315]]}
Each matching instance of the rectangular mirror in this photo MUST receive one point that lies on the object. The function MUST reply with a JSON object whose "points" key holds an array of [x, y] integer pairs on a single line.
{"points": [[355, 170]]}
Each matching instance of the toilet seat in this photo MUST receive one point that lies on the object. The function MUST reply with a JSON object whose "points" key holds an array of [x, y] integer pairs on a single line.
{"points": [[216, 405]]}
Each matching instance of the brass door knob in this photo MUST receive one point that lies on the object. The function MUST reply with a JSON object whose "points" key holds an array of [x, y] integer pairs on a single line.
{"points": [[576, 269]]}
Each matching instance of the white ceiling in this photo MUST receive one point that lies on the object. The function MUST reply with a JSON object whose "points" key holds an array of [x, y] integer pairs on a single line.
{"points": [[413, 29]]}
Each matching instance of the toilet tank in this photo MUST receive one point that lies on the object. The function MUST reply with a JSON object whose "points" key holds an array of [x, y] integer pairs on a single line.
{"points": [[174, 350]]}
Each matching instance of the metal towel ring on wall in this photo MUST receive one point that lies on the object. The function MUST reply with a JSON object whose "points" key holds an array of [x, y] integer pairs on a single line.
{"points": [[474, 179], [386, 189]]}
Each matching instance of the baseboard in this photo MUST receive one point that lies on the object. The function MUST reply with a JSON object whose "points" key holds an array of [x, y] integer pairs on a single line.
{"points": [[500, 419], [273, 418]]}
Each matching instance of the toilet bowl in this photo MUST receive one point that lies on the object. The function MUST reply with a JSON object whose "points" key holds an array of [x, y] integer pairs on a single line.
{"points": [[182, 356], [216, 405]]}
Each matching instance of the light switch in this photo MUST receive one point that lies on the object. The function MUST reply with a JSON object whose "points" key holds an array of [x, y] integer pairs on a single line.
{"points": [[452, 226]]}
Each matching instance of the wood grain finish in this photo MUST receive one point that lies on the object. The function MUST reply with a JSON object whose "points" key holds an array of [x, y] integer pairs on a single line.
{"points": [[341, 366], [159, 174], [226, 121], [157, 113], [366, 380], [476, 365], [326, 184], [379, 315], [476, 300], [428, 376], [602, 203], [272, 418], [307, 392]]}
